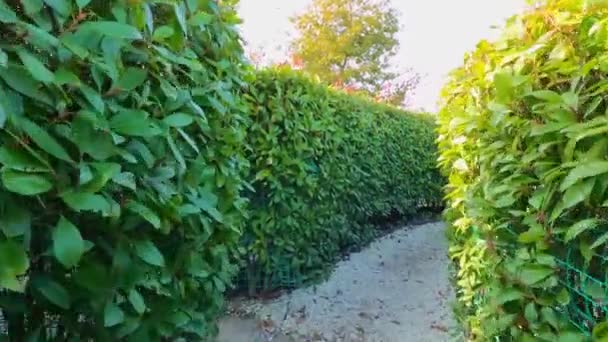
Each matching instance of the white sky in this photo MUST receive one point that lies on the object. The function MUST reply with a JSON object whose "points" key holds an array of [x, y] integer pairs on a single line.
{"points": [[434, 38]]}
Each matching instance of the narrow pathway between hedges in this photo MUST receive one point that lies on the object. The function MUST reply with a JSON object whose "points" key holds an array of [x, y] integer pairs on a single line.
{"points": [[396, 290]]}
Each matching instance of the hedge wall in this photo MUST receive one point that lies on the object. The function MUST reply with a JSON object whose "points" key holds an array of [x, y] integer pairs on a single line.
{"points": [[121, 154], [523, 142], [323, 164]]}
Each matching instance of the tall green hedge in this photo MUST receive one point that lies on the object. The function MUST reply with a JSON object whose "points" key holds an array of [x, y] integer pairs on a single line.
{"points": [[323, 164], [121, 155], [523, 142]]}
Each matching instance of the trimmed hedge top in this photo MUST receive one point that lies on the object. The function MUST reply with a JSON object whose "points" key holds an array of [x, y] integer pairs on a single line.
{"points": [[523, 142], [121, 152], [323, 165]]}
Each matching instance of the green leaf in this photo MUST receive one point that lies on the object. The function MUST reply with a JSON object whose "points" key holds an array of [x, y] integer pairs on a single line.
{"points": [[168, 89], [178, 120], [25, 183], [86, 201], [131, 79], [32, 6], [13, 263], [563, 297], [559, 52], [548, 128], [570, 336], [600, 241], [597, 151], [3, 116], [530, 313], [73, 43], [112, 315], [10, 282], [52, 291], [92, 276], [137, 301], [20, 160], [532, 274], [594, 290], [3, 59], [134, 123], [104, 172], [20, 79], [120, 13], [149, 17], [113, 29], [503, 322], [163, 32], [534, 234], [143, 151], [88, 135], [44, 140], [548, 315], [600, 332], [570, 99], [40, 38], [201, 18], [547, 95], [189, 140], [7, 15], [538, 198], [503, 84], [219, 284], [126, 179], [148, 252], [15, 221], [63, 7], [179, 318], [584, 170], [507, 295], [217, 105], [64, 76], [145, 212], [208, 203], [579, 227], [35, 67], [85, 174], [180, 15], [177, 154], [68, 245], [130, 325], [585, 250], [82, 3], [93, 97], [577, 193], [593, 106]]}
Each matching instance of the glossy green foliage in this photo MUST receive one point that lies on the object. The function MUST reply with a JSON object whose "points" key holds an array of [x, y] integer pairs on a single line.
{"points": [[121, 156], [523, 142], [323, 165]]}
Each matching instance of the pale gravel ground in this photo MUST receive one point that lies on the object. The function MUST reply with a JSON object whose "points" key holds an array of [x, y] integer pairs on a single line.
{"points": [[396, 290]]}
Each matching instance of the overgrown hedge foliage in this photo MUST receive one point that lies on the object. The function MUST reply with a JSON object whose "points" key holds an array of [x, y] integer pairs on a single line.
{"points": [[121, 154], [523, 142], [323, 164]]}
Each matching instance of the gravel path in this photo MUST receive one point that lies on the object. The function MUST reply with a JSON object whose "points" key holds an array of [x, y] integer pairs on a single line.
{"points": [[396, 290]]}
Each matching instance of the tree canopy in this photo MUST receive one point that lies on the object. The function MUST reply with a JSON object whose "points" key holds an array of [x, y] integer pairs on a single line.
{"points": [[348, 42]]}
